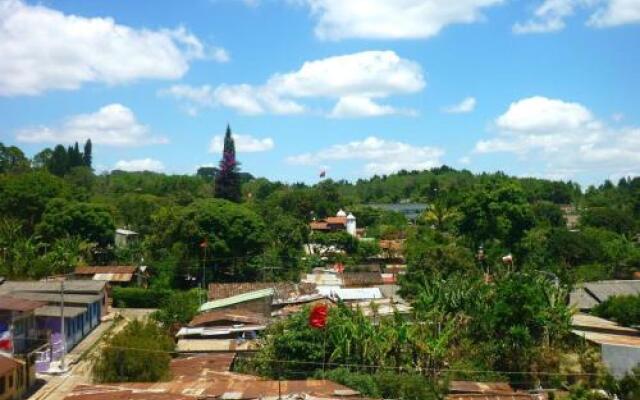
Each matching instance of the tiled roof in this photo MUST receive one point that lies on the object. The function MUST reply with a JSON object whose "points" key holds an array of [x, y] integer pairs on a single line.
{"points": [[13, 303], [336, 220]]}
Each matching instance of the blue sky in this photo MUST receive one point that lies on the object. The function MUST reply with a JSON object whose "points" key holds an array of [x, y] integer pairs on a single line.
{"points": [[547, 88]]}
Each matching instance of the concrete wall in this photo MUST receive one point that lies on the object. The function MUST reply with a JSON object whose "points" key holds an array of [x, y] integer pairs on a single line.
{"points": [[620, 359]]}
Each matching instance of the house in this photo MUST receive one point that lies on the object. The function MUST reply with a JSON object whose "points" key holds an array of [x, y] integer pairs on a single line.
{"points": [[467, 390], [619, 346], [115, 275], [212, 331], [208, 377], [340, 223], [411, 211], [85, 303], [125, 237], [18, 334], [590, 294], [15, 378], [258, 301]]}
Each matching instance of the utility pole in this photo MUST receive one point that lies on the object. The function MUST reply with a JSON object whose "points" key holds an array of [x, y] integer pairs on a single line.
{"points": [[62, 327]]}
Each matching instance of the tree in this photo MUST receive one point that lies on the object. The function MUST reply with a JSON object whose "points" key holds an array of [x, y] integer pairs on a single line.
{"points": [[25, 196], [138, 353], [231, 233], [12, 159], [87, 157], [179, 309], [228, 179], [59, 161], [42, 159], [90, 222]]}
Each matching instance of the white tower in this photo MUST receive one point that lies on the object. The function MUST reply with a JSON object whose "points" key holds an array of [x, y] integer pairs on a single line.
{"points": [[351, 224], [341, 213]]}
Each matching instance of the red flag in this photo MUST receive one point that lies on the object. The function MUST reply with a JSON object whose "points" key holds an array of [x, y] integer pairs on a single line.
{"points": [[323, 173], [338, 267], [318, 316]]}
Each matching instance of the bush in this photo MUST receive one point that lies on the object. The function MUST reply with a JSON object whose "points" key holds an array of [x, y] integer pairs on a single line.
{"points": [[179, 308], [138, 353], [139, 297], [624, 310]]}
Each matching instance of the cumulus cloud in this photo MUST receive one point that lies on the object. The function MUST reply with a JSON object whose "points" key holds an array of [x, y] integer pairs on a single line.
{"points": [[354, 80], [111, 125], [399, 19], [550, 15], [565, 135], [467, 105], [144, 164], [381, 156], [244, 143], [43, 49]]}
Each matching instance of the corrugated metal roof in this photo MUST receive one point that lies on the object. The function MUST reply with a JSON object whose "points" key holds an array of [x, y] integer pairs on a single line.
{"points": [[201, 364], [113, 277], [70, 286], [504, 396], [55, 297], [383, 307], [14, 303], [351, 293], [241, 298], [215, 345], [282, 290], [361, 278], [107, 269], [54, 311], [121, 231], [582, 300], [602, 290], [238, 316], [609, 338], [593, 323], [470, 387]]}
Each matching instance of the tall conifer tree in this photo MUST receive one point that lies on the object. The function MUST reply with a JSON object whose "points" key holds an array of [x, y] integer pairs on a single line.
{"points": [[227, 184], [87, 158]]}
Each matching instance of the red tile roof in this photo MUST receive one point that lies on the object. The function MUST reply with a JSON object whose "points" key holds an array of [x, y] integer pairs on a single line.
{"points": [[17, 304]]}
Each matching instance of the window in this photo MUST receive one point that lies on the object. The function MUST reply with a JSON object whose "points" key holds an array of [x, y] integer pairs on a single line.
{"points": [[2, 383]]}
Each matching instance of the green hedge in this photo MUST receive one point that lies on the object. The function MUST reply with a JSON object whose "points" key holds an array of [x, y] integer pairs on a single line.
{"points": [[139, 297]]}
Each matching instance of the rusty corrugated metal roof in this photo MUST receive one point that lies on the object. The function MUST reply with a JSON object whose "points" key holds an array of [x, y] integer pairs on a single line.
{"points": [[108, 269], [282, 290], [236, 316], [479, 387]]}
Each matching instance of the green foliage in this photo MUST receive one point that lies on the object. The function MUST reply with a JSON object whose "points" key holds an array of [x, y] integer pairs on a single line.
{"points": [[12, 160], [228, 184], [138, 353], [90, 222], [25, 196], [179, 308], [500, 212], [622, 309], [132, 297], [340, 240]]}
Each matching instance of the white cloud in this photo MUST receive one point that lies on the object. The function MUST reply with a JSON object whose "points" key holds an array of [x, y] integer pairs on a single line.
{"points": [[616, 12], [381, 156], [565, 135], [244, 143], [354, 80], [398, 19], [467, 105], [111, 125], [464, 160], [551, 14], [43, 49], [548, 17], [145, 164]]}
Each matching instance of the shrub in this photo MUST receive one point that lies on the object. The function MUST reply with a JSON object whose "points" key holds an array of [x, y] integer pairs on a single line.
{"points": [[138, 353], [139, 297], [624, 310]]}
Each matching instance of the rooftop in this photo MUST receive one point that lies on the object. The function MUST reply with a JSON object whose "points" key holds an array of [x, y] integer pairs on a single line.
{"points": [[7, 364], [70, 286], [14, 303], [238, 316], [282, 290], [54, 311], [241, 298], [55, 297]]}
